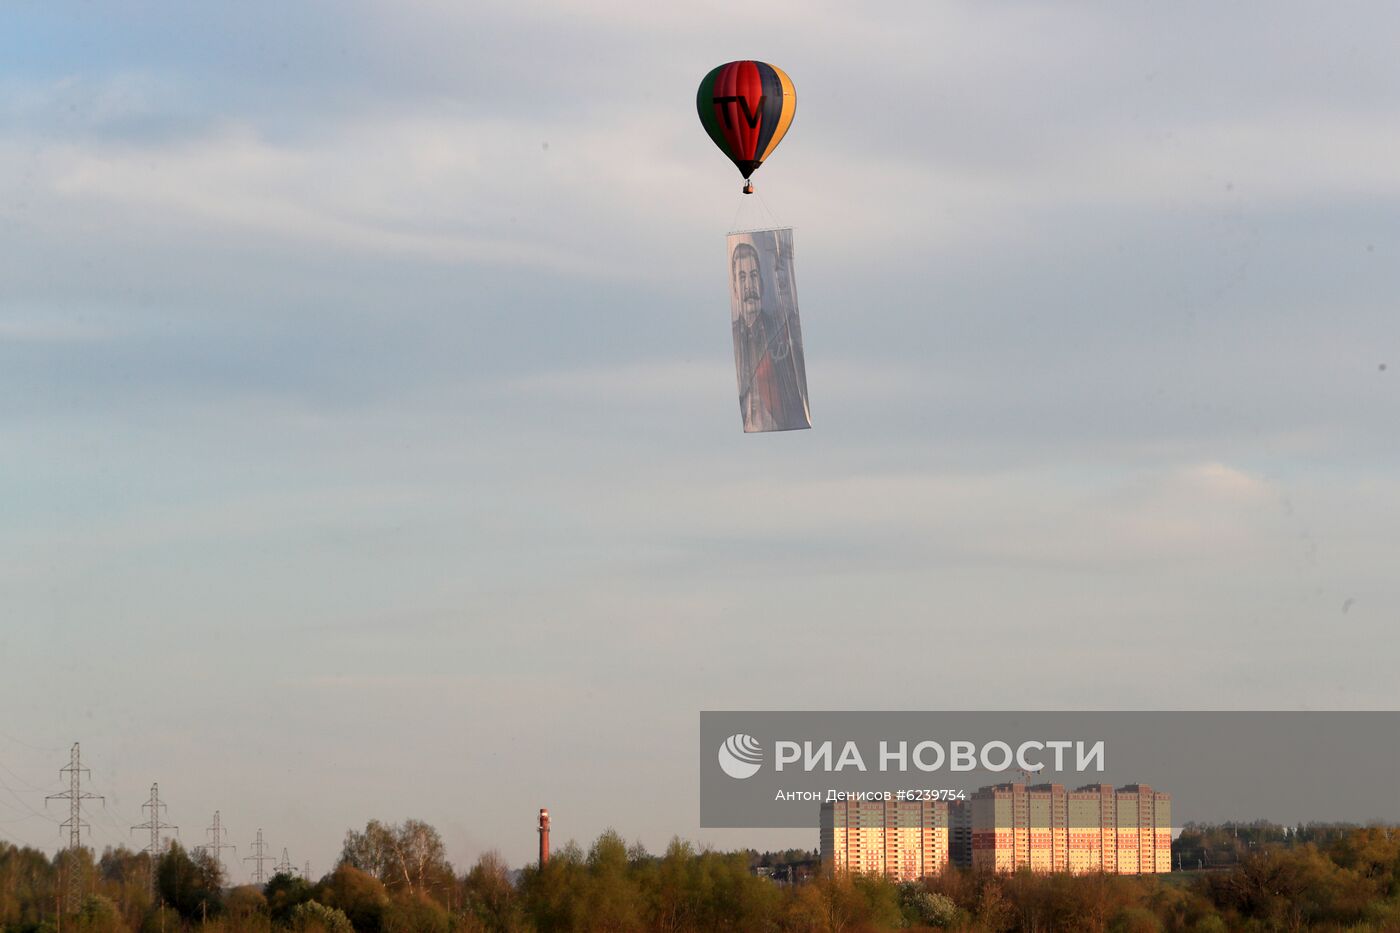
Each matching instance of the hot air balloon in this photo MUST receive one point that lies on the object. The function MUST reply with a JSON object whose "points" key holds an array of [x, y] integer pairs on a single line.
{"points": [[746, 107]]}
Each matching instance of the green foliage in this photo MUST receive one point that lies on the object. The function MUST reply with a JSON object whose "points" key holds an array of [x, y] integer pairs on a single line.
{"points": [[1334, 880], [284, 894], [927, 908], [490, 897], [880, 901], [161, 920], [408, 857], [783, 857], [28, 886], [1135, 920], [314, 917], [358, 894], [246, 909], [190, 885], [1228, 844], [416, 913], [99, 914], [1305, 886]]}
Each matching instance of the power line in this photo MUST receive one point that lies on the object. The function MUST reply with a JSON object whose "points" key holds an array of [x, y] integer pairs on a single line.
{"points": [[112, 806], [28, 786], [28, 841], [37, 748], [216, 846], [119, 824], [75, 823], [105, 823], [21, 801], [155, 825], [257, 858]]}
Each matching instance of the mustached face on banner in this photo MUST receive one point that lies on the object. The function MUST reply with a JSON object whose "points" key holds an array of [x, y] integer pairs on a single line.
{"points": [[748, 283]]}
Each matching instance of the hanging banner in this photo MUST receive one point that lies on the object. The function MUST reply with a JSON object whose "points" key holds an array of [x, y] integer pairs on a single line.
{"points": [[767, 334]]}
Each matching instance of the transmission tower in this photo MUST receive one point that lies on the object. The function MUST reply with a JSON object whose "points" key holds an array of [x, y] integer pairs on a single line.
{"points": [[306, 870], [285, 866], [217, 835], [75, 823], [257, 858], [155, 825]]}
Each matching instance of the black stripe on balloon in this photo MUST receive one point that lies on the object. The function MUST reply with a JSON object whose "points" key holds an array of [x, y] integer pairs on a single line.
{"points": [[772, 107]]}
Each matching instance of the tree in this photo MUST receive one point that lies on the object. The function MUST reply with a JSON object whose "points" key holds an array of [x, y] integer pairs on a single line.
{"points": [[358, 894], [612, 901], [552, 892], [371, 851], [284, 894], [881, 901], [489, 895], [409, 856], [928, 908], [421, 856], [416, 913], [191, 885], [29, 886], [831, 903], [313, 917], [99, 915], [1135, 920], [993, 911], [125, 878], [247, 909], [162, 920]]}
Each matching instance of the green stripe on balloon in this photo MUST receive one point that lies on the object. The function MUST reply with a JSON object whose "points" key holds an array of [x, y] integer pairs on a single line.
{"points": [[704, 103]]}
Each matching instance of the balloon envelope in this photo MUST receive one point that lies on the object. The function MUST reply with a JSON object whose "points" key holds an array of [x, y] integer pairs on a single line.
{"points": [[746, 107]]}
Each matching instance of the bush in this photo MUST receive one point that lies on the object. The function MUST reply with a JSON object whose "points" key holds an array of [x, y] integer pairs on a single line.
{"points": [[99, 915], [1135, 920], [315, 917], [416, 914], [931, 909]]}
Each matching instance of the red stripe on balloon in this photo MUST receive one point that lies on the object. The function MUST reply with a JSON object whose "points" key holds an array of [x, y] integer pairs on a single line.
{"points": [[726, 112], [749, 87]]}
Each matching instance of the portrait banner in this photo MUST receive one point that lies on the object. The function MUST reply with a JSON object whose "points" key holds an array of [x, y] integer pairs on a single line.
{"points": [[767, 334]]}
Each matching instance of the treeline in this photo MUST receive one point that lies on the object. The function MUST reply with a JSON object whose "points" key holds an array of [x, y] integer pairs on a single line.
{"points": [[1224, 844], [396, 879]]}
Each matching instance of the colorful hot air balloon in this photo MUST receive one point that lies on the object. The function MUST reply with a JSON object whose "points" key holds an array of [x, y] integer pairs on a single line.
{"points": [[746, 107]]}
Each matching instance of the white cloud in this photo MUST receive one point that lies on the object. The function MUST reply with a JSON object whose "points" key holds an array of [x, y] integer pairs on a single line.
{"points": [[234, 180]]}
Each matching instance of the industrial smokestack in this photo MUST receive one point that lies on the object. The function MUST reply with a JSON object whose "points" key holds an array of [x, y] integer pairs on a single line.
{"points": [[544, 837]]}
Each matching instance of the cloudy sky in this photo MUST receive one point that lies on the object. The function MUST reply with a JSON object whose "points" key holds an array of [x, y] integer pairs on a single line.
{"points": [[368, 434]]}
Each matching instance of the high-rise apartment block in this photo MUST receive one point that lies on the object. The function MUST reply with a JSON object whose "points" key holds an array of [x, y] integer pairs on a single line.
{"points": [[900, 839], [1006, 827], [1045, 827]]}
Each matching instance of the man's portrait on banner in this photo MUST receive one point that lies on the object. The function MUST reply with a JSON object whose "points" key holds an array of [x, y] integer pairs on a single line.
{"points": [[767, 334]]}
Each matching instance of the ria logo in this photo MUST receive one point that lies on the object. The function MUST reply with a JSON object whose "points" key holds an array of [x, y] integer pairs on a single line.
{"points": [[740, 756]]}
